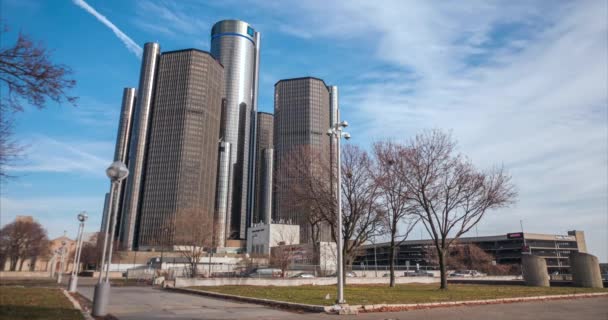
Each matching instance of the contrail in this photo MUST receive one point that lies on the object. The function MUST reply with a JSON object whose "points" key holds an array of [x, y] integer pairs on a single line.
{"points": [[131, 45]]}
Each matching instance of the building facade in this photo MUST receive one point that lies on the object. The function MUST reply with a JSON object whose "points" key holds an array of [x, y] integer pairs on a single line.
{"points": [[181, 166], [236, 45], [506, 249], [301, 119], [263, 168]]}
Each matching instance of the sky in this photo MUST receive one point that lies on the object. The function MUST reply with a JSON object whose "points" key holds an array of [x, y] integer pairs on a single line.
{"points": [[522, 84]]}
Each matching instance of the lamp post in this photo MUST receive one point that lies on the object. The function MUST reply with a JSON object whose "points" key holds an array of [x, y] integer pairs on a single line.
{"points": [[335, 132], [116, 172], [82, 217], [62, 251]]}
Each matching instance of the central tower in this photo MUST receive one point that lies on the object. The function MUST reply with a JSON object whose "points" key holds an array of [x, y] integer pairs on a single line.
{"points": [[237, 47]]}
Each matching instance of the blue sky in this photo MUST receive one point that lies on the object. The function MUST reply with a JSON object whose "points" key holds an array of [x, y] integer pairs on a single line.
{"points": [[521, 84]]}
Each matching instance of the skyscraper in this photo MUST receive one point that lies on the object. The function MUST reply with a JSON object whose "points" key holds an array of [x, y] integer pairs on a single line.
{"points": [[301, 119], [236, 45], [181, 164], [138, 144], [263, 167]]}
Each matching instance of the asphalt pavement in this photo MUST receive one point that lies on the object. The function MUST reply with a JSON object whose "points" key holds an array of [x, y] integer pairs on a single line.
{"points": [[139, 303]]}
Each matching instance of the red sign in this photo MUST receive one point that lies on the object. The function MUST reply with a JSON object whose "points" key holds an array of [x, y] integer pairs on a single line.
{"points": [[516, 235]]}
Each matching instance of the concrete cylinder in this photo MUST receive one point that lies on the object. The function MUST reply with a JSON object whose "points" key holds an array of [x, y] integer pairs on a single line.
{"points": [[535, 271], [585, 269]]}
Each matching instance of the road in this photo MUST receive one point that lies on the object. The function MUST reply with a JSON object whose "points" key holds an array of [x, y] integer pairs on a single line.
{"points": [[139, 303]]}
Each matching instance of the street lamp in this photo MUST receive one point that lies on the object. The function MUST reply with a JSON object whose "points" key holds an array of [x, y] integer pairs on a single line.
{"points": [[82, 217], [60, 274], [335, 132], [116, 172]]}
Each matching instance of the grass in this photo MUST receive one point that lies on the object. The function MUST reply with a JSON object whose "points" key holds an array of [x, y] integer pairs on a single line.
{"points": [[34, 282], [402, 294], [17, 303]]}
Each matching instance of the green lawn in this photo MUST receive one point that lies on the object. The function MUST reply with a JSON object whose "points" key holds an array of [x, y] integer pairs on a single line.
{"points": [[407, 293], [17, 303]]}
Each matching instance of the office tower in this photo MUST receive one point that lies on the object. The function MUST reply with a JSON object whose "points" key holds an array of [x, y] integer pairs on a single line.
{"points": [[301, 119], [236, 45], [138, 145], [263, 167], [181, 165], [121, 153]]}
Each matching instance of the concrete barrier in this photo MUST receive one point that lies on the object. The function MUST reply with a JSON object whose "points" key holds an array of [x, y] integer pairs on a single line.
{"points": [[278, 282], [535, 271], [24, 274], [585, 270]]}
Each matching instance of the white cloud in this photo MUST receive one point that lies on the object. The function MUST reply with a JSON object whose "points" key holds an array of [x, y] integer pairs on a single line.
{"points": [[521, 84], [129, 43], [56, 214], [46, 154]]}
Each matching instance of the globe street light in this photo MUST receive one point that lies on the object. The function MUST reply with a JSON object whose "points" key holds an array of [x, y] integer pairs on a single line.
{"points": [[82, 217], [60, 274], [335, 132], [116, 172]]}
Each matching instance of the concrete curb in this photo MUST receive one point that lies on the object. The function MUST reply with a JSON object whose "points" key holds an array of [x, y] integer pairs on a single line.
{"points": [[274, 303], [386, 307], [415, 306], [77, 305]]}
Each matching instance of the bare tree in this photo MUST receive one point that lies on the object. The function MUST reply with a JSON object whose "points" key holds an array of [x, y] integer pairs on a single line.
{"points": [[22, 240], [450, 195], [91, 250], [361, 216], [397, 212], [285, 254], [304, 177], [192, 233], [30, 76]]}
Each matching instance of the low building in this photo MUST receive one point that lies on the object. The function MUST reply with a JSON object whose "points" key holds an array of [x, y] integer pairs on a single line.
{"points": [[506, 249], [261, 237]]}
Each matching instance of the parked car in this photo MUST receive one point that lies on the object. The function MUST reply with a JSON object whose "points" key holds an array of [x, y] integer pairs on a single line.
{"points": [[467, 274], [266, 273], [304, 275], [418, 273]]}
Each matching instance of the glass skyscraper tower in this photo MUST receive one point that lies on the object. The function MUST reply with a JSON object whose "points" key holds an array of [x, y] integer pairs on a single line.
{"points": [[236, 45]]}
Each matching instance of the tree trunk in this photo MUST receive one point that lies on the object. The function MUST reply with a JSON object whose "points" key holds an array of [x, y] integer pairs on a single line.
{"points": [[21, 264], [392, 261], [442, 269], [14, 264]]}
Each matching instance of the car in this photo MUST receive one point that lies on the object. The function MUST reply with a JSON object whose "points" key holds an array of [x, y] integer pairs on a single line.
{"points": [[304, 275], [418, 273], [467, 274]]}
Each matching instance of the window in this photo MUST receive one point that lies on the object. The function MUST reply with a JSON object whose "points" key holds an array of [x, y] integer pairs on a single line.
{"points": [[250, 31]]}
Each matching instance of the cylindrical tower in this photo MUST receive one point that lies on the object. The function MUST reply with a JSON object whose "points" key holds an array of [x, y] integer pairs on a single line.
{"points": [[138, 143], [236, 45], [266, 205], [121, 153], [222, 218]]}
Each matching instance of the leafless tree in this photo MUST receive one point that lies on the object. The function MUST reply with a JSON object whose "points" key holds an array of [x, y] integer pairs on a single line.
{"points": [[470, 257], [398, 215], [22, 240], [450, 195], [29, 75], [192, 232], [284, 255], [304, 176], [361, 216]]}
